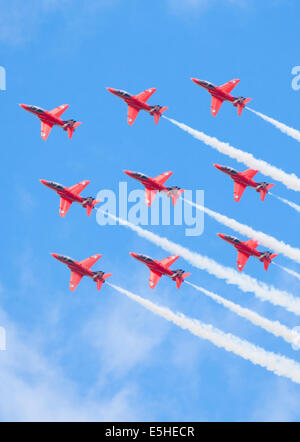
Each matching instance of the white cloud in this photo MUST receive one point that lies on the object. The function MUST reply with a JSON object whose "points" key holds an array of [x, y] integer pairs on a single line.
{"points": [[33, 389]]}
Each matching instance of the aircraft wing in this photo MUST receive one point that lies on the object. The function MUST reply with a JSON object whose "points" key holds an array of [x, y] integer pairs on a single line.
{"points": [[167, 262], [149, 196], [89, 262], [241, 260], [238, 191], [77, 188], [144, 96], [64, 207], [75, 280], [249, 173], [154, 278], [132, 113], [216, 103], [58, 111], [163, 177], [252, 243], [45, 130], [228, 87]]}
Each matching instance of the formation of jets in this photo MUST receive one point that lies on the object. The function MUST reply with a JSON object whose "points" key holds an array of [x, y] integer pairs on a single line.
{"points": [[69, 195]]}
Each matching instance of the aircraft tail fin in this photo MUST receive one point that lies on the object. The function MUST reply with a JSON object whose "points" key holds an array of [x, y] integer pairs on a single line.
{"points": [[90, 207], [158, 114], [101, 281], [267, 261], [174, 194], [263, 192], [241, 105], [71, 129], [179, 279]]}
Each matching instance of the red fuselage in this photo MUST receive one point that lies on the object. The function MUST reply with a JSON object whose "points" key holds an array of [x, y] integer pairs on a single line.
{"points": [[155, 266], [239, 178], [64, 192], [45, 116], [244, 248], [215, 91], [74, 266], [148, 182], [131, 100]]}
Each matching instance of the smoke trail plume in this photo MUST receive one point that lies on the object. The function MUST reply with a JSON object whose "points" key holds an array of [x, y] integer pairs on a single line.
{"points": [[245, 282], [273, 362], [287, 202], [289, 271], [294, 133], [274, 327], [289, 180]]}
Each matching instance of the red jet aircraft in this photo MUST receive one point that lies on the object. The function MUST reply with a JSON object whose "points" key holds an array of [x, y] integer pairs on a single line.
{"points": [[52, 118], [137, 103], [246, 249], [82, 268], [154, 185], [222, 93], [159, 268], [244, 179], [69, 195]]}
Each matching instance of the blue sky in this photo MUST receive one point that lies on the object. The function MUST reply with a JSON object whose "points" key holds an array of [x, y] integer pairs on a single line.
{"points": [[97, 355]]}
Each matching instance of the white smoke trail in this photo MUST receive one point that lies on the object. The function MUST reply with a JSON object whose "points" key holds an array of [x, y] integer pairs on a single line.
{"points": [[274, 327], [263, 238], [291, 132], [289, 271], [245, 282], [276, 363], [289, 203], [289, 180]]}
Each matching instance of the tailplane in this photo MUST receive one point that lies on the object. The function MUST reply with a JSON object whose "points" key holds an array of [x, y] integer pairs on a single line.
{"points": [[263, 188], [71, 129], [90, 207], [179, 277], [157, 112], [263, 192], [101, 280], [267, 260], [174, 193], [241, 103]]}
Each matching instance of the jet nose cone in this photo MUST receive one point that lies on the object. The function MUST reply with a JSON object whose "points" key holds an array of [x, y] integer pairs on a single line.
{"points": [[45, 182], [23, 106], [134, 255], [218, 166], [110, 89], [196, 80], [55, 255], [128, 172], [221, 235]]}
